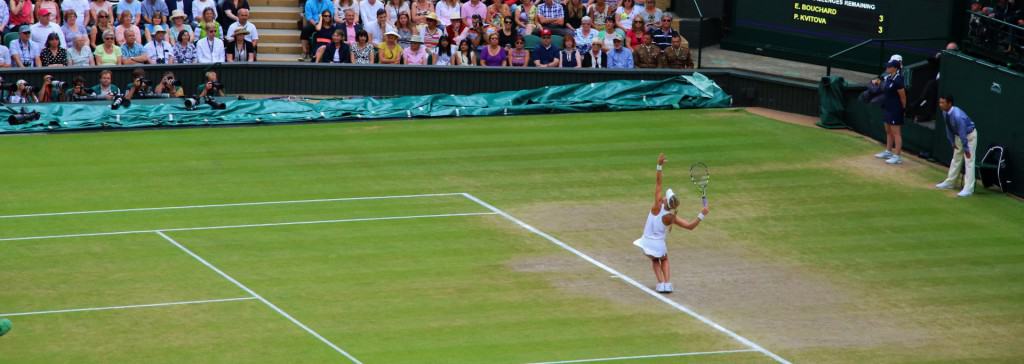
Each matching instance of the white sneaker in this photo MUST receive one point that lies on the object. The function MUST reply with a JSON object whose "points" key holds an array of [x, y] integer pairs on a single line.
{"points": [[660, 287], [668, 288], [965, 193], [894, 160], [884, 155]]}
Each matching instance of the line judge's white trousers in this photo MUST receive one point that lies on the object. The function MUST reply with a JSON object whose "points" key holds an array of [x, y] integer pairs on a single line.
{"points": [[959, 161]]}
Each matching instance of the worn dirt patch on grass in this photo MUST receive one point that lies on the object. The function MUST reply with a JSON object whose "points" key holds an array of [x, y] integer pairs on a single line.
{"points": [[775, 302]]}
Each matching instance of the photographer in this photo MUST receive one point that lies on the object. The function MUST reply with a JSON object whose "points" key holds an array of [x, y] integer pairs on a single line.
{"points": [[22, 94], [51, 90], [78, 90], [211, 87], [169, 86], [140, 85], [106, 88]]}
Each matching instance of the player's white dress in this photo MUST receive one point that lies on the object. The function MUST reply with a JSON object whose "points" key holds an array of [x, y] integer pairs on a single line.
{"points": [[653, 241]]}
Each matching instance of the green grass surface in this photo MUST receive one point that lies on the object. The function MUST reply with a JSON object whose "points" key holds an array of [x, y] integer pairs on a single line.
{"points": [[812, 251]]}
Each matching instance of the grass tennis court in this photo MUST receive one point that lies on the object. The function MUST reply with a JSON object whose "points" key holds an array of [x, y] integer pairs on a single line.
{"points": [[486, 241]]}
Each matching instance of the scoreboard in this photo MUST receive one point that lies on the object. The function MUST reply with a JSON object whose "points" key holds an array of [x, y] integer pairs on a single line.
{"points": [[810, 30], [865, 18]]}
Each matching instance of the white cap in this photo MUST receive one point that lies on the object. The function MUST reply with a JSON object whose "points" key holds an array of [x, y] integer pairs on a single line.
{"points": [[669, 195], [897, 58]]}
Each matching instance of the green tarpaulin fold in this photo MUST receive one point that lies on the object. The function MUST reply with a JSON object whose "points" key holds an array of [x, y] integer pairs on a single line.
{"points": [[832, 107], [696, 91]]}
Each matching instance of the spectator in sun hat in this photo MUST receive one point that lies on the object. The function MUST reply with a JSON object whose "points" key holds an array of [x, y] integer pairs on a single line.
{"points": [[431, 33], [160, 51], [390, 52], [620, 56], [416, 54], [179, 23], [456, 30], [239, 49]]}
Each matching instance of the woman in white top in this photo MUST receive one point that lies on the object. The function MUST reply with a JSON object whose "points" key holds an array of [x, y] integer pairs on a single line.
{"points": [[395, 7], [445, 9], [339, 10], [659, 220], [80, 55]]}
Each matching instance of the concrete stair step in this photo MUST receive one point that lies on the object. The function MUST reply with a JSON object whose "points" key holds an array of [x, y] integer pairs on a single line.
{"points": [[284, 24], [283, 3], [275, 12], [280, 48], [279, 36], [279, 57]]}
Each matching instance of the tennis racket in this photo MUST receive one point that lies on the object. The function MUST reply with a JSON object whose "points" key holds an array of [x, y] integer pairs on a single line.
{"points": [[700, 176]]}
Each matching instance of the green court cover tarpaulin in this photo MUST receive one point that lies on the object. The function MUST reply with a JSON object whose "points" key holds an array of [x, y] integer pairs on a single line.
{"points": [[696, 91]]}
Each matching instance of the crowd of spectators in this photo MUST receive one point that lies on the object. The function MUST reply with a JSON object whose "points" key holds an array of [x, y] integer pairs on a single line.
{"points": [[494, 33], [48, 33], [997, 26], [615, 34]]}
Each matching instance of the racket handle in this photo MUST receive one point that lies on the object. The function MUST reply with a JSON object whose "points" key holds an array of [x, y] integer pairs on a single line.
{"points": [[703, 199]]}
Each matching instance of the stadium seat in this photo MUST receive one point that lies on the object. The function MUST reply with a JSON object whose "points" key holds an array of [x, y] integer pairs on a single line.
{"points": [[10, 37]]}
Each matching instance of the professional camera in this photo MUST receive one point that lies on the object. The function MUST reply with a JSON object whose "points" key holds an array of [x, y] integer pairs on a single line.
{"points": [[23, 117], [191, 103], [120, 100], [144, 82], [216, 105], [58, 84], [216, 85]]}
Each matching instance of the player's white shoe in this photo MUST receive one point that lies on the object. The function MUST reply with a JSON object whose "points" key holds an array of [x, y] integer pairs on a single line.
{"points": [[660, 287], [895, 159], [944, 186], [884, 155], [668, 287], [966, 192]]}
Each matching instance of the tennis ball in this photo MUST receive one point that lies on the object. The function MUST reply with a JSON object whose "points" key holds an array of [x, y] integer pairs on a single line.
{"points": [[5, 326]]}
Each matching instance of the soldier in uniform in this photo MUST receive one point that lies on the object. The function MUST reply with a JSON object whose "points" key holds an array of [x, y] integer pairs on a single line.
{"points": [[678, 54], [648, 55]]}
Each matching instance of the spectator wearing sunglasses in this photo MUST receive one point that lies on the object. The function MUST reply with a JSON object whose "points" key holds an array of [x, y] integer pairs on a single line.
{"points": [[507, 35]]}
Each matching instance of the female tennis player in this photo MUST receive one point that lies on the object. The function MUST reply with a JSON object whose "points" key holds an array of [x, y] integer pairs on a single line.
{"points": [[659, 221]]}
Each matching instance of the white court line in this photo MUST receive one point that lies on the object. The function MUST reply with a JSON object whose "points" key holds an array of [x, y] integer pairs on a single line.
{"points": [[227, 205], [631, 281], [127, 307], [248, 226], [257, 296], [649, 356]]}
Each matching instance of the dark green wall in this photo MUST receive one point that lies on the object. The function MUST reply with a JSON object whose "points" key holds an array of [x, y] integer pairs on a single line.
{"points": [[998, 115]]}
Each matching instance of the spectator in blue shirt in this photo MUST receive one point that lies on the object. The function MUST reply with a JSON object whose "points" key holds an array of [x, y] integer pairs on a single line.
{"points": [[311, 17], [964, 138], [552, 18], [546, 54], [134, 7], [619, 56]]}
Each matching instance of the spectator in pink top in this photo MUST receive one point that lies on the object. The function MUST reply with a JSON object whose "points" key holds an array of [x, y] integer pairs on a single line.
{"points": [[473, 7], [416, 54]]}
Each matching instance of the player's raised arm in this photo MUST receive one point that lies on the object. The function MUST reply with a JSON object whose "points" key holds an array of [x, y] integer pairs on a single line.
{"points": [[690, 225], [657, 185]]}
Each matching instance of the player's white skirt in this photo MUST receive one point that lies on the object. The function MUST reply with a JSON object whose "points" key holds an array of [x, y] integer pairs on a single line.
{"points": [[654, 248]]}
